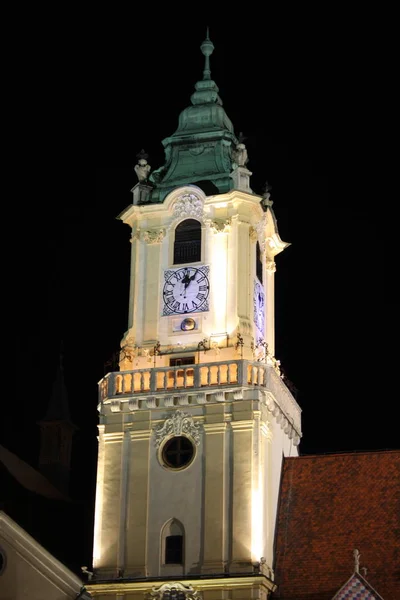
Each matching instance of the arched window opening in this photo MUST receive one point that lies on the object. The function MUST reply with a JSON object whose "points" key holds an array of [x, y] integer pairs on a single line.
{"points": [[174, 550], [187, 246], [259, 265], [173, 543]]}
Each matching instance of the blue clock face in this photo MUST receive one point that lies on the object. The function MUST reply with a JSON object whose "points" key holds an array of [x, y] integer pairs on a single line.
{"points": [[259, 306], [186, 290]]}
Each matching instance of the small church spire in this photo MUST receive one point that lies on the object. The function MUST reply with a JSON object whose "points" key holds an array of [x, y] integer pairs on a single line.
{"points": [[207, 48], [58, 407], [57, 431]]}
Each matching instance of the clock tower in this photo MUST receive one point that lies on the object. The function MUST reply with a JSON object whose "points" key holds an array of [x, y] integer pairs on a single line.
{"points": [[194, 424]]}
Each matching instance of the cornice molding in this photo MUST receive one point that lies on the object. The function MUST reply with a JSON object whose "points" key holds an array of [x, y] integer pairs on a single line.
{"points": [[211, 428], [202, 585], [113, 437], [139, 434], [245, 425]]}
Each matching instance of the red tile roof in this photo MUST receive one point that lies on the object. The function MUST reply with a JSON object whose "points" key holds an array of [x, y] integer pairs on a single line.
{"points": [[329, 506]]}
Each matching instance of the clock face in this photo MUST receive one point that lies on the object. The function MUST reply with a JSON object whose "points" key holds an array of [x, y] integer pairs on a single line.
{"points": [[186, 290], [259, 306]]}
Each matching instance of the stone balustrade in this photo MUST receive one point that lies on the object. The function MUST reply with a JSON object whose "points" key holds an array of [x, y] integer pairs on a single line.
{"points": [[198, 384]]}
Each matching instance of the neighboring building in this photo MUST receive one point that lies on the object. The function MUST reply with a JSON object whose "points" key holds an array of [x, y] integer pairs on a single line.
{"points": [[29, 572], [37, 506], [200, 489], [41, 527], [329, 506], [57, 430]]}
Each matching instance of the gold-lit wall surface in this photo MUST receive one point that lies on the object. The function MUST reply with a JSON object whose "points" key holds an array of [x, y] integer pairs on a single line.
{"points": [[225, 499]]}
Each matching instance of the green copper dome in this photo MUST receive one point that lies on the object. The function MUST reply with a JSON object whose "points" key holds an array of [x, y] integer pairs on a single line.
{"points": [[200, 150]]}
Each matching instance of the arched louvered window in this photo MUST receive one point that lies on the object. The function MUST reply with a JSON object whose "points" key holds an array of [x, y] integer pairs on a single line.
{"points": [[187, 246], [259, 265]]}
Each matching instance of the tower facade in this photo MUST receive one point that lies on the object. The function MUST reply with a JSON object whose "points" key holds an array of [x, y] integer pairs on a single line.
{"points": [[194, 425]]}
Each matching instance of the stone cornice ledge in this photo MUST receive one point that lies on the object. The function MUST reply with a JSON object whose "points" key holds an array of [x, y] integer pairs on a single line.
{"points": [[200, 585]]}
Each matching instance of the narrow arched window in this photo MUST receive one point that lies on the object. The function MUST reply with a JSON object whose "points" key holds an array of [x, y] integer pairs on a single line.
{"points": [[187, 246], [174, 550], [259, 265], [173, 543]]}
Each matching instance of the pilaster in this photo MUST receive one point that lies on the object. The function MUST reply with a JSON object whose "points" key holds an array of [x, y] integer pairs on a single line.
{"points": [[243, 278], [241, 526], [137, 505], [108, 518], [215, 483], [151, 301]]}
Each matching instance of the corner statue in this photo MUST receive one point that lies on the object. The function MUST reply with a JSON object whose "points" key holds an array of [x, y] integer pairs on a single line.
{"points": [[142, 169], [240, 156]]}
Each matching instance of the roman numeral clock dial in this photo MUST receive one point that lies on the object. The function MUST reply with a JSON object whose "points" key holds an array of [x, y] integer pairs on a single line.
{"points": [[186, 290]]}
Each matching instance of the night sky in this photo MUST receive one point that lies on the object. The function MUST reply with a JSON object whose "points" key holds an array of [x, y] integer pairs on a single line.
{"points": [[295, 97]]}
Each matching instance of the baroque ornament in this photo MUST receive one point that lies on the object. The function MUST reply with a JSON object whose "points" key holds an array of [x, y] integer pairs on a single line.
{"points": [[270, 265], [174, 591], [135, 235], [253, 234], [188, 205], [260, 229], [180, 423], [154, 236], [220, 225]]}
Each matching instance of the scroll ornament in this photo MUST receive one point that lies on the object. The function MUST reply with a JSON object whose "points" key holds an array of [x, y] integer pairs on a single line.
{"points": [[188, 205], [180, 423], [174, 591]]}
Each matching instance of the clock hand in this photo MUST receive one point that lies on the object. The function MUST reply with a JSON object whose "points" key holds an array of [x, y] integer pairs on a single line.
{"points": [[187, 281]]}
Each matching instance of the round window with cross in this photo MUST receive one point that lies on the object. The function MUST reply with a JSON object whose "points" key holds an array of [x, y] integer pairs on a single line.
{"points": [[177, 452]]}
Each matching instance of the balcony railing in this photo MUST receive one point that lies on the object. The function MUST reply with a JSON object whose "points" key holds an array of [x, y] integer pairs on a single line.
{"points": [[135, 386]]}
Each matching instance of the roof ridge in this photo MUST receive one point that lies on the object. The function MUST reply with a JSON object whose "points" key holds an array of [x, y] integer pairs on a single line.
{"points": [[345, 452]]}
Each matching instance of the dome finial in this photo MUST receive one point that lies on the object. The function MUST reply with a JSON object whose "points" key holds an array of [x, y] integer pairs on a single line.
{"points": [[207, 48]]}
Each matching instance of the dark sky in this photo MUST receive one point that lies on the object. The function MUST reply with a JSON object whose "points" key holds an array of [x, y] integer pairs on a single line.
{"points": [[296, 96]]}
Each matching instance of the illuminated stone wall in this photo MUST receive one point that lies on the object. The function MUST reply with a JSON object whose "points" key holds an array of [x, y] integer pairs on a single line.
{"points": [[231, 225], [239, 416]]}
